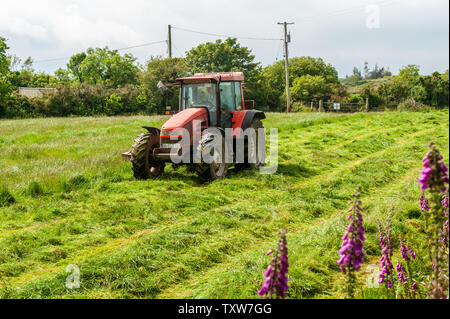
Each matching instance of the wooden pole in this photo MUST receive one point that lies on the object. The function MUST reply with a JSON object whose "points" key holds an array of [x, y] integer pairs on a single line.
{"points": [[321, 106], [170, 41], [286, 65]]}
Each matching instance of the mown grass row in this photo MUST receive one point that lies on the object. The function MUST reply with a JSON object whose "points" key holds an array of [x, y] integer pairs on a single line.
{"points": [[218, 219]]}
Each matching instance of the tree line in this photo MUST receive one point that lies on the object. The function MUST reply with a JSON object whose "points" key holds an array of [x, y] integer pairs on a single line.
{"points": [[100, 81]]}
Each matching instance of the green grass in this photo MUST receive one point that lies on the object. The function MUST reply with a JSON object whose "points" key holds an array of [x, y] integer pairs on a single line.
{"points": [[67, 197]]}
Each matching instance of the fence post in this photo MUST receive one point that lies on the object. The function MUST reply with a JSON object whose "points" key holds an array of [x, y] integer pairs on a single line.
{"points": [[367, 104], [321, 106]]}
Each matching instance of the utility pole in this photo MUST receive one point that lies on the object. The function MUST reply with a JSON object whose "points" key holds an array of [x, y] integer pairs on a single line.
{"points": [[169, 42], [286, 56]]}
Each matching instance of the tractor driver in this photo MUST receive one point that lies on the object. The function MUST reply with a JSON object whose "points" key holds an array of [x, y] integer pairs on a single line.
{"points": [[211, 102], [211, 96]]}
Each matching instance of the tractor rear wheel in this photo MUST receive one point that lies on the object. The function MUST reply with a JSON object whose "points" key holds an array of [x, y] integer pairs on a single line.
{"points": [[143, 164], [256, 124]]}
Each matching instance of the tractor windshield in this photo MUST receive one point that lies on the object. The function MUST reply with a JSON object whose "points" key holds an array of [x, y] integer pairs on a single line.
{"points": [[200, 95]]}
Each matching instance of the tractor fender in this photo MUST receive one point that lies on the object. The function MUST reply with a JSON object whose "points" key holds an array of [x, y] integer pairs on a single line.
{"points": [[249, 116], [153, 130]]}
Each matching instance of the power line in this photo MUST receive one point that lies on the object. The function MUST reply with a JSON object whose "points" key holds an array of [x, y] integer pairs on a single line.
{"points": [[142, 45], [225, 36], [181, 54], [120, 49]]}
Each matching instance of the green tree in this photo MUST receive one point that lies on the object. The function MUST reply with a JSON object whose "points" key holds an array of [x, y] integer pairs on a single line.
{"points": [[223, 56], [436, 88], [309, 87], [103, 66], [409, 75], [228, 56], [164, 70], [273, 77], [62, 76], [74, 65], [5, 87]]}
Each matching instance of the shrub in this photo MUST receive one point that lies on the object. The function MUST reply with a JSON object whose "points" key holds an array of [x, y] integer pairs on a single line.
{"points": [[16, 107], [412, 105], [356, 98], [79, 100], [113, 104], [299, 107]]}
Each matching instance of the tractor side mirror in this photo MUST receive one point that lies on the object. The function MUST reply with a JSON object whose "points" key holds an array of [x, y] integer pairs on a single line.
{"points": [[161, 87], [249, 104]]}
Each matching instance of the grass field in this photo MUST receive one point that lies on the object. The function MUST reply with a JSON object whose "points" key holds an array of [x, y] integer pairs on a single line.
{"points": [[74, 201]]}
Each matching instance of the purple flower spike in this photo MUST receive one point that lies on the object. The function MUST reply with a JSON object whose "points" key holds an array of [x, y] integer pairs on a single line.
{"points": [[386, 254], [444, 203], [275, 279], [401, 273], [434, 171], [404, 252], [411, 252], [351, 252], [424, 204], [434, 179]]}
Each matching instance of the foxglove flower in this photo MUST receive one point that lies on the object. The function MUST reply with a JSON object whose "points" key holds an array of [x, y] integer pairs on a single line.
{"points": [[351, 252], [386, 254], [435, 169], [444, 204], [424, 204], [411, 252], [414, 287], [434, 179], [276, 282], [401, 273], [404, 252]]}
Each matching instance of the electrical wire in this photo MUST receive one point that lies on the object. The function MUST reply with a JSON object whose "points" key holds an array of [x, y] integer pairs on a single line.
{"points": [[120, 49], [312, 19], [224, 35]]}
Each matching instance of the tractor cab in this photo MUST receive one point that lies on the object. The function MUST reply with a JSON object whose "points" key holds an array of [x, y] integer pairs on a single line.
{"points": [[219, 94]]}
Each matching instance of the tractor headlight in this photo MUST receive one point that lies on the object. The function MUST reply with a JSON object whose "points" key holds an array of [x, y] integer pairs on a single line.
{"points": [[165, 133]]}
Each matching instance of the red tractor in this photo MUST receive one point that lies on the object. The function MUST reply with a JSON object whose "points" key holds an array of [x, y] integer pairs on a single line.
{"points": [[215, 100]]}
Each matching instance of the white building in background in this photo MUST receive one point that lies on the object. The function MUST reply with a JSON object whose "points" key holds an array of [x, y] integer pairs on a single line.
{"points": [[35, 92]]}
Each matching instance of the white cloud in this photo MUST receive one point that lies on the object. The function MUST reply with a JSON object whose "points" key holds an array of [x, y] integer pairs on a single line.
{"points": [[411, 31]]}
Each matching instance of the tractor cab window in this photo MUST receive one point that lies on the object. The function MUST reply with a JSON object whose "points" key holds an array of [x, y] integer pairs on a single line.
{"points": [[227, 96], [200, 95], [230, 96], [237, 90]]}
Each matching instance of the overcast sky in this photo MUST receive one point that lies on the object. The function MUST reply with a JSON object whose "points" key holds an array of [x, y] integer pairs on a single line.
{"points": [[344, 33]]}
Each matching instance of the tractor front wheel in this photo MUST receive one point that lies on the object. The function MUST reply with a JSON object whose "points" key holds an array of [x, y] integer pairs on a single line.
{"points": [[143, 164], [217, 169]]}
